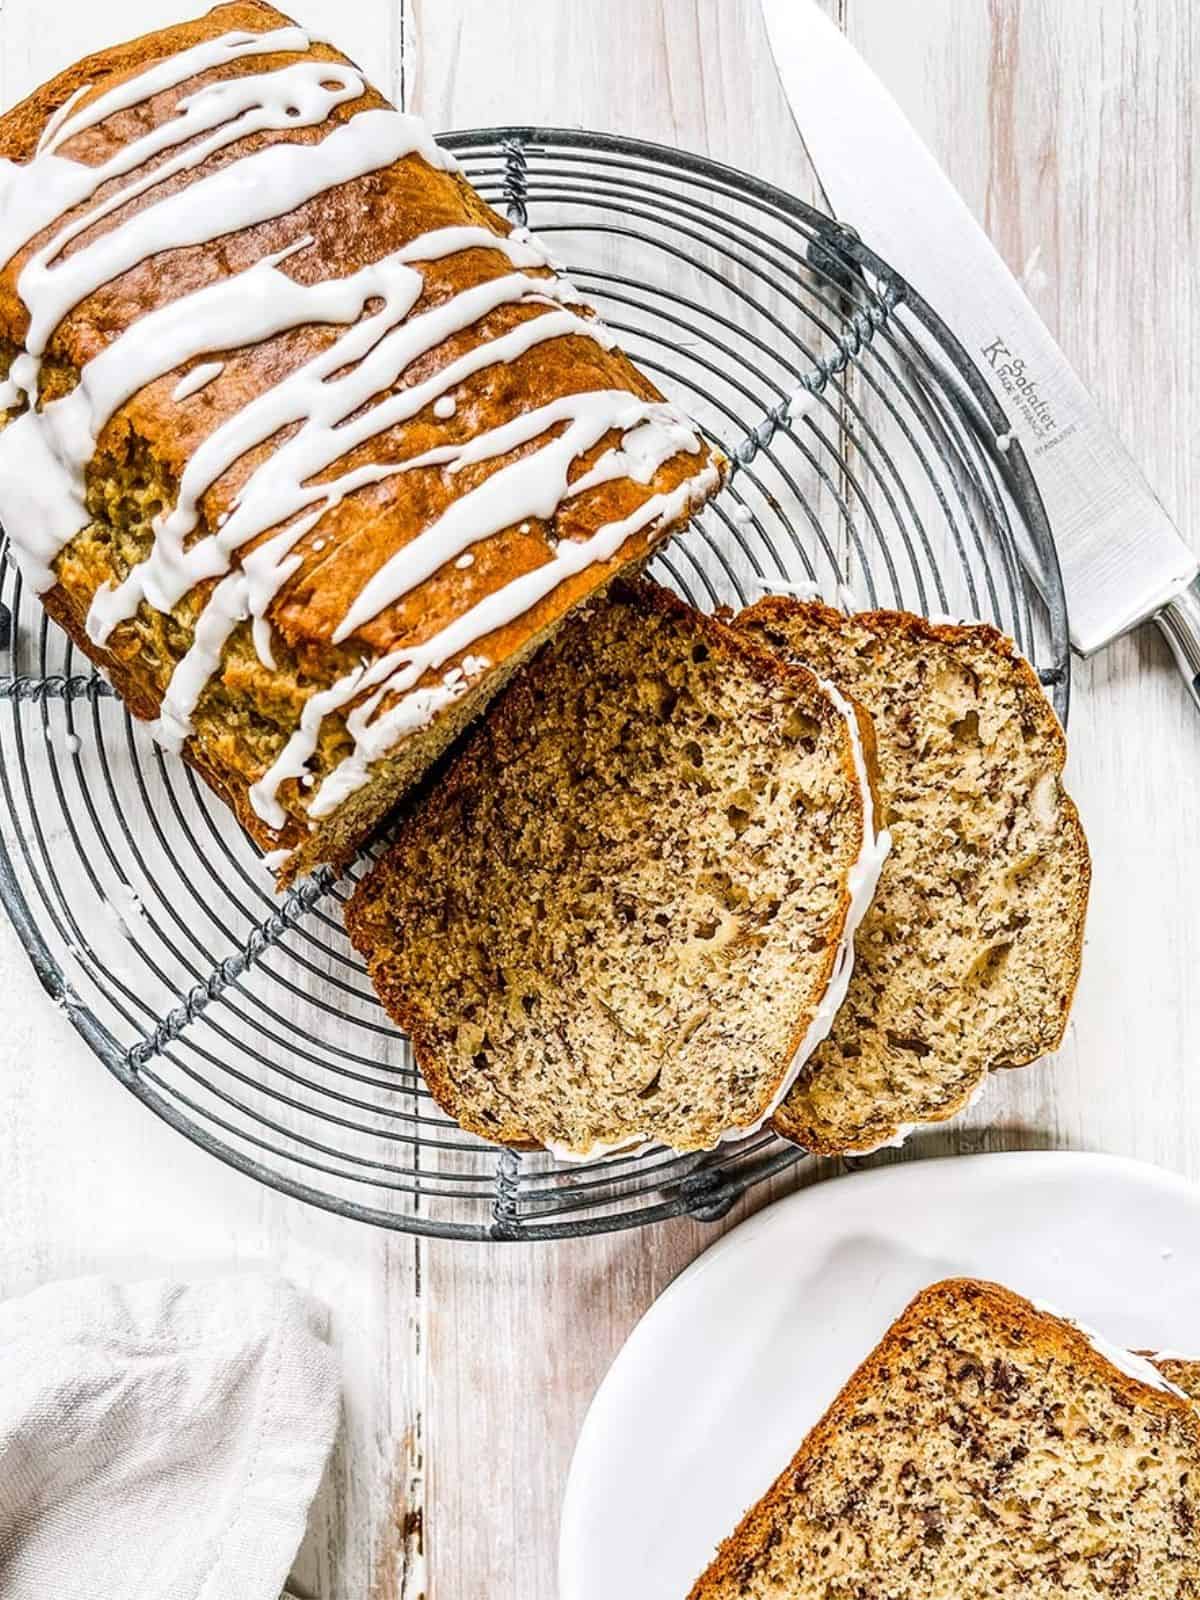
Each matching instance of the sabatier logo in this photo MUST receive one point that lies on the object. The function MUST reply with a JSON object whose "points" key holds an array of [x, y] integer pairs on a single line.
{"points": [[995, 350], [1022, 389]]}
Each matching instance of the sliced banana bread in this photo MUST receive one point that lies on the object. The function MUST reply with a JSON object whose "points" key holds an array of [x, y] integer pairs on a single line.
{"points": [[968, 958], [625, 912], [1179, 1370], [985, 1449]]}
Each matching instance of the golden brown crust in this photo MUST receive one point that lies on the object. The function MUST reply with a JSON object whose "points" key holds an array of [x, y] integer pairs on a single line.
{"points": [[367, 917], [154, 434], [1012, 1316], [777, 611]]}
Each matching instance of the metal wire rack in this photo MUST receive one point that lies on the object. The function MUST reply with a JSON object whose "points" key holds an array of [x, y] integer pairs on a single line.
{"points": [[869, 460]]}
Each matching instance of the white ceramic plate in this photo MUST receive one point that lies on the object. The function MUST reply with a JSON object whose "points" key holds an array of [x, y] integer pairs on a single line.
{"points": [[724, 1375]]}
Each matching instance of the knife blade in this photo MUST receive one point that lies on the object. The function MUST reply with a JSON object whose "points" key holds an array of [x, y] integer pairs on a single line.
{"points": [[1123, 561]]}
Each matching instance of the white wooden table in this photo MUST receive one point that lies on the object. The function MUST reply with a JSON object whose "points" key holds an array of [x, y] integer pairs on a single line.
{"points": [[1070, 127]]}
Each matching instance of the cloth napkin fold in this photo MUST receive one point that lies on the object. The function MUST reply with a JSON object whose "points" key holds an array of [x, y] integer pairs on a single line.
{"points": [[160, 1441]]}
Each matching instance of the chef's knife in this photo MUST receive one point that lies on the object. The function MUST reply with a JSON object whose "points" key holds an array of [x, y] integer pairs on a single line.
{"points": [[1123, 561]]}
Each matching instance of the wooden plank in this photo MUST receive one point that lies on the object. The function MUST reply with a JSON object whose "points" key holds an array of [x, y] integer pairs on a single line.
{"points": [[989, 88], [101, 1186], [521, 1336], [1070, 127], [1071, 137]]}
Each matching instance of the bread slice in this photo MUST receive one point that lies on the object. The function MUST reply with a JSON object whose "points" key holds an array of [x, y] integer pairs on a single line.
{"points": [[1179, 1370], [627, 905], [969, 956], [985, 1449]]}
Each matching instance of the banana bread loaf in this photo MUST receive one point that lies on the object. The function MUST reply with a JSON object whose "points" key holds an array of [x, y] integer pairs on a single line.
{"points": [[303, 445]]}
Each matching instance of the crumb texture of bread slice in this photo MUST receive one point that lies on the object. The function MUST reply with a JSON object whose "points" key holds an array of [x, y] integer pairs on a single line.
{"points": [[984, 1449], [968, 958], [614, 915], [1183, 1372]]}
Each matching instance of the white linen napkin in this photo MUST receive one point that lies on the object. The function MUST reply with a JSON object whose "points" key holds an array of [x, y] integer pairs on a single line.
{"points": [[160, 1441]]}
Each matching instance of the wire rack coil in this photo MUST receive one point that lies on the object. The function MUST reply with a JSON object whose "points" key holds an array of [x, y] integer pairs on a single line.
{"points": [[869, 462]]}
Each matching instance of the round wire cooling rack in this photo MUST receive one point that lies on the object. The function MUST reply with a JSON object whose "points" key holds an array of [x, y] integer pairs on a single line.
{"points": [[869, 462]]}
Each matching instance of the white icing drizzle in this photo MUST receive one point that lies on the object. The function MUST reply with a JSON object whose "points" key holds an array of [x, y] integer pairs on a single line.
{"points": [[260, 630], [227, 606], [798, 588], [34, 195], [860, 886], [41, 502], [60, 116], [169, 74], [1125, 1361], [398, 673], [282, 485], [264, 184], [637, 1143], [532, 487], [526, 237], [43, 190], [198, 378], [333, 403], [905, 1130]]}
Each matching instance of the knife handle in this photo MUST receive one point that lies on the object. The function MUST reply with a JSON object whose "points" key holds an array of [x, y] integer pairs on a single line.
{"points": [[1179, 620]]}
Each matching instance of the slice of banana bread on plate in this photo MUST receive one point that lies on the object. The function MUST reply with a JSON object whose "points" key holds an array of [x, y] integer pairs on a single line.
{"points": [[968, 958], [624, 913], [986, 1448], [1182, 1371]]}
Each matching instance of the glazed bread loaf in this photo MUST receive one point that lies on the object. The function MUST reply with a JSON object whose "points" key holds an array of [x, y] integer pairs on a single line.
{"points": [[624, 914], [986, 1449], [303, 445], [968, 957]]}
